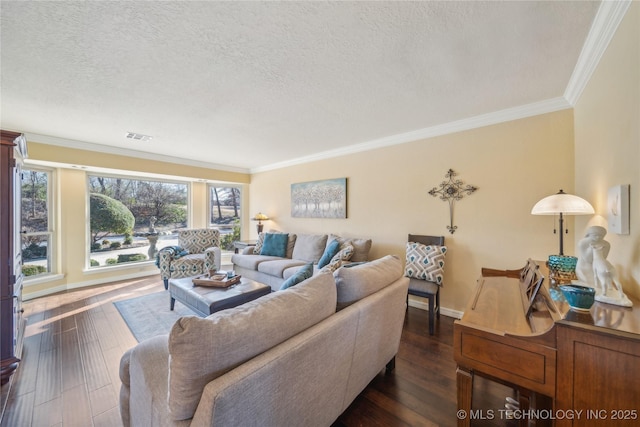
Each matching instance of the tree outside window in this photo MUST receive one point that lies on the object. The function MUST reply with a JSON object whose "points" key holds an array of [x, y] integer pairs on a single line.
{"points": [[123, 212], [224, 214], [36, 232]]}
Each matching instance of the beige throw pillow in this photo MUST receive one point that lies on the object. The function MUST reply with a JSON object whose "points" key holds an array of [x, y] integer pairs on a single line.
{"points": [[309, 247], [361, 247]]}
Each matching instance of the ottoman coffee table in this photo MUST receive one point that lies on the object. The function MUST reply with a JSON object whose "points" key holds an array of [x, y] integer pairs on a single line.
{"points": [[206, 300]]}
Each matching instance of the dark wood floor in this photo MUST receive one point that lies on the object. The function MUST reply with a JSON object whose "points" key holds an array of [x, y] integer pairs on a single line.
{"points": [[74, 340]]}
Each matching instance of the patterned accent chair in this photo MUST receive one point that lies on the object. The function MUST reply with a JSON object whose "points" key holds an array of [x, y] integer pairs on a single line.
{"points": [[419, 285], [204, 254]]}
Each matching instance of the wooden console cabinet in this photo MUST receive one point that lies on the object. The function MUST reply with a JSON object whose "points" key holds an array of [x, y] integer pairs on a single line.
{"points": [[570, 368], [599, 367], [12, 151]]}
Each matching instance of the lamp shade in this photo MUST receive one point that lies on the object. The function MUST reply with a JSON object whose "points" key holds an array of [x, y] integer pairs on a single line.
{"points": [[564, 203], [260, 217]]}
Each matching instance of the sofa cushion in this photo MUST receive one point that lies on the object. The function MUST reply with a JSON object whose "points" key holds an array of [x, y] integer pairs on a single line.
{"points": [[309, 247], [299, 276], [361, 280], [251, 262], [361, 247], [203, 349], [425, 262], [276, 267], [331, 250], [275, 244]]}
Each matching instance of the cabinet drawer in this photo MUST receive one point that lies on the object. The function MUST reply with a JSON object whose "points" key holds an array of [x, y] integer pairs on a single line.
{"points": [[513, 360]]}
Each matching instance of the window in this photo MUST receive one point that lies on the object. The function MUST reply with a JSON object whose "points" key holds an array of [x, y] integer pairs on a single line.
{"points": [[132, 218], [224, 214], [37, 232]]}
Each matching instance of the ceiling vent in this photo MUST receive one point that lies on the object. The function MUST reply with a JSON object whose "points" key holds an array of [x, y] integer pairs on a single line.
{"points": [[138, 136]]}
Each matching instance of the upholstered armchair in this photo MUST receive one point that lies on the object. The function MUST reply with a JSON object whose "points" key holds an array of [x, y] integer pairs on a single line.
{"points": [[198, 251]]}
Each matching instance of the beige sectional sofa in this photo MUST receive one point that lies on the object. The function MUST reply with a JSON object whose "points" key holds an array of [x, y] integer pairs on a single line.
{"points": [[287, 358], [301, 249]]}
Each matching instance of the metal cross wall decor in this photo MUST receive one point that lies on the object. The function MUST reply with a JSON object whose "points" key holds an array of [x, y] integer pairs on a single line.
{"points": [[450, 191]]}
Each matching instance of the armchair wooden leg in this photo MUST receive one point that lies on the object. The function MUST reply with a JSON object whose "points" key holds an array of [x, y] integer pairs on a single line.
{"points": [[166, 284]]}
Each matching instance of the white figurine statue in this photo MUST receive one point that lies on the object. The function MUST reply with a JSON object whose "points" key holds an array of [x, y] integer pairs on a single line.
{"points": [[594, 270], [584, 267]]}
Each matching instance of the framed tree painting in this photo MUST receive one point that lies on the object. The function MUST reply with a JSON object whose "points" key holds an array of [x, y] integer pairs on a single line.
{"points": [[319, 199]]}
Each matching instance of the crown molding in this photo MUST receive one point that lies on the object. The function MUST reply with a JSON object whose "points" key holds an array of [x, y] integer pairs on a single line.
{"points": [[88, 146], [509, 114], [604, 27], [605, 24]]}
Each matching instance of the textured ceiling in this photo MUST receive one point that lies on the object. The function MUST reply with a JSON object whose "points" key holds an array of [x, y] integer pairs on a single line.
{"points": [[254, 84]]}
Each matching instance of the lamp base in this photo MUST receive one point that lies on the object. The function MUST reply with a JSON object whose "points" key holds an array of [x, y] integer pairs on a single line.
{"points": [[562, 268], [260, 227]]}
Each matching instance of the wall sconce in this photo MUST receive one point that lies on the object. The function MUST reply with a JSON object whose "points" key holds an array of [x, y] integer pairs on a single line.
{"points": [[260, 217], [562, 267]]}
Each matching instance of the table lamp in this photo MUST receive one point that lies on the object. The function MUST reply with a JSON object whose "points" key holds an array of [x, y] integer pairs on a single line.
{"points": [[562, 267], [260, 217]]}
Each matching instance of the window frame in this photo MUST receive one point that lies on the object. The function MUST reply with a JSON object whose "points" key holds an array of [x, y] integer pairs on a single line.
{"points": [[210, 185], [132, 177], [51, 233]]}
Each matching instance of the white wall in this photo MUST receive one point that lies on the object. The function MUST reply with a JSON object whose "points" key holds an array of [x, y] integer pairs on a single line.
{"points": [[513, 164], [607, 140]]}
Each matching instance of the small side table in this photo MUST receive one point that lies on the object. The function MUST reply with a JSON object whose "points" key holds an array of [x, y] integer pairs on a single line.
{"points": [[241, 244]]}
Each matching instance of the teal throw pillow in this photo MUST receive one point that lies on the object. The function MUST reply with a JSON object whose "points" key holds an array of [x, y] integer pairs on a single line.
{"points": [[331, 251], [301, 275], [275, 245]]}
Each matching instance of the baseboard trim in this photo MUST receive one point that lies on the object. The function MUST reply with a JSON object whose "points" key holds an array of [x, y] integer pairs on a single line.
{"points": [[443, 310], [85, 284], [26, 296]]}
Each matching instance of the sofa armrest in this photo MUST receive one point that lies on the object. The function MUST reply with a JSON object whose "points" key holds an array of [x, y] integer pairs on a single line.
{"points": [[144, 371], [212, 259], [125, 390], [248, 250], [125, 364]]}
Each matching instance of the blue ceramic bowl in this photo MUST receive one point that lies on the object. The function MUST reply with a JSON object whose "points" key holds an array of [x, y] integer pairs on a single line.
{"points": [[578, 297]]}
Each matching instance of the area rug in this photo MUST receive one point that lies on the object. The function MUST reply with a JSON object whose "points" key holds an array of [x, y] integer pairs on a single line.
{"points": [[149, 315]]}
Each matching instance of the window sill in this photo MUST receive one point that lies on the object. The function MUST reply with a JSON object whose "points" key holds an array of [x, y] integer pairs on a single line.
{"points": [[119, 267]]}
